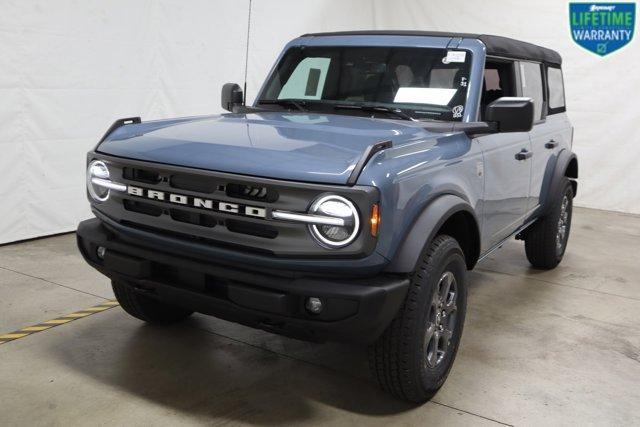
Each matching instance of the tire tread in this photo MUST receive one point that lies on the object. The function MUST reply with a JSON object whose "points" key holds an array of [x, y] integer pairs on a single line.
{"points": [[390, 357], [540, 239]]}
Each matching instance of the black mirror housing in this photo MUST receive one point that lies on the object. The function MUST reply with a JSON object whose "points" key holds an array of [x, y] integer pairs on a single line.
{"points": [[511, 114], [231, 96]]}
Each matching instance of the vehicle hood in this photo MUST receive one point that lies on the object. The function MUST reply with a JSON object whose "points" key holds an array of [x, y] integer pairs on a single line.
{"points": [[322, 148]]}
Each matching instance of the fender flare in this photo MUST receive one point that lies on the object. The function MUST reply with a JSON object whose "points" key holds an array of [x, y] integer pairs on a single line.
{"points": [[424, 230], [562, 170]]}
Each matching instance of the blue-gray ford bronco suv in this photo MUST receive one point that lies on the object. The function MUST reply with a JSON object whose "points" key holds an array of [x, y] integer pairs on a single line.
{"points": [[348, 202]]}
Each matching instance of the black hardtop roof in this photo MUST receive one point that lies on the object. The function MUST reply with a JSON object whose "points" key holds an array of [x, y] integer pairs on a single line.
{"points": [[496, 45]]}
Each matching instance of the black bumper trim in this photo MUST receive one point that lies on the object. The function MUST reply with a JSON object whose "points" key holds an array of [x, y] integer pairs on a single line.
{"points": [[356, 310]]}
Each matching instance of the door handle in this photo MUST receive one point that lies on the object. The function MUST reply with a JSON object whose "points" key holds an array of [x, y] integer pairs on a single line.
{"points": [[524, 154], [551, 145]]}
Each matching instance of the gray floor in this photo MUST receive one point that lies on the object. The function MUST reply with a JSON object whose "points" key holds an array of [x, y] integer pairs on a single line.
{"points": [[556, 347]]}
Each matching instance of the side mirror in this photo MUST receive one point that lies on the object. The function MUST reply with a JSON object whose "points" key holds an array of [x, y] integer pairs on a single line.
{"points": [[511, 114], [231, 96]]}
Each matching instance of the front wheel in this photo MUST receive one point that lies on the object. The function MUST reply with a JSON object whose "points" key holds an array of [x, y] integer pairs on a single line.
{"points": [[412, 358]]}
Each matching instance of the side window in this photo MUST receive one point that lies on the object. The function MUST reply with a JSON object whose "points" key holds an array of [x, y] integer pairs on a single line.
{"points": [[498, 81], [556, 90], [532, 87], [307, 80]]}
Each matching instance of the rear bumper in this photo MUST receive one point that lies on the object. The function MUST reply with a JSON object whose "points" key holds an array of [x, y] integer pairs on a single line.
{"points": [[355, 310]]}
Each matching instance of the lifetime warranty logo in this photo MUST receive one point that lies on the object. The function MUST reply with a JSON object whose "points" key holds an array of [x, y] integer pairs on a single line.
{"points": [[602, 28]]}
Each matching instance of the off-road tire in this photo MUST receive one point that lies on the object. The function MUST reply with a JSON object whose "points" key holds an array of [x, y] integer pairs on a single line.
{"points": [[398, 359], [541, 239], [146, 308]]}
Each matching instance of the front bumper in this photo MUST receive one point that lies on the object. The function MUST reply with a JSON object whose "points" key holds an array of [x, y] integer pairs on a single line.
{"points": [[355, 310]]}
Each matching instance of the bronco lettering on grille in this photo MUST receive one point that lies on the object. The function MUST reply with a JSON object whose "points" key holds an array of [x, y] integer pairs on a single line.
{"points": [[197, 202]]}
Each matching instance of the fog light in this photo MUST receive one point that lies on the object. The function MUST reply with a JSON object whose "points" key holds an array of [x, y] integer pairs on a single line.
{"points": [[101, 251], [313, 305]]}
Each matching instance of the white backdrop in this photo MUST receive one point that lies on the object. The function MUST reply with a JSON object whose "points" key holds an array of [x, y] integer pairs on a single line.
{"points": [[69, 68]]}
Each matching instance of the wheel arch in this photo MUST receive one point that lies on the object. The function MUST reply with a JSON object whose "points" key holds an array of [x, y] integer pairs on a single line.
{"points": [[447, 214], [571, 171], [566, 167]]}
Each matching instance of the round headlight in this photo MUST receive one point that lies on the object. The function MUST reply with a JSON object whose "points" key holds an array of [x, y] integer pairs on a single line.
{"points": [[335, 236], [99, 170]]}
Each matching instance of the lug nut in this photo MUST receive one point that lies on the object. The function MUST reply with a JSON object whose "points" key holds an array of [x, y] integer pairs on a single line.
{"points": [[101, 251], [313, 305]]}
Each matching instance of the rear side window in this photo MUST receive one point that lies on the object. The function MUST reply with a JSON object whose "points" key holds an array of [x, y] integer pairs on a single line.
{"points": [[556, 90], [532, 87]]}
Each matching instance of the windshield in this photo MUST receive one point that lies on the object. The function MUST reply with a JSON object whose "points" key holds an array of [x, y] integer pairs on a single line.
{"points": [[421, 83]]}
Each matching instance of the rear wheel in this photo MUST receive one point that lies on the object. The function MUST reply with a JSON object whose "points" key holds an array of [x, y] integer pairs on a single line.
{"points": [[146, 308], [412, 358], [546, 241]]}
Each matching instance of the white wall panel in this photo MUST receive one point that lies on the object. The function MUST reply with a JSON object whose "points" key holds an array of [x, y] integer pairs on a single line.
{"points": [[68, 69]]}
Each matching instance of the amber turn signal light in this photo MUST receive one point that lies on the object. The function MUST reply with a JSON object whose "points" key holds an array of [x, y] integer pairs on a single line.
{"points": [[375, 220]]}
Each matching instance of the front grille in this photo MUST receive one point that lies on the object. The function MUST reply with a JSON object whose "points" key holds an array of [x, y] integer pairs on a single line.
{"points": [[193, 218], [194, 183], [141, 175], [191, 237], [143, 208], [258, 230], [203, 185], [251, 192], [226, 210], [204, 220]]}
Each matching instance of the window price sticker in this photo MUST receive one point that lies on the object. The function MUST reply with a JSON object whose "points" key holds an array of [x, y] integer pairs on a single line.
{"points": [[454, 56]]}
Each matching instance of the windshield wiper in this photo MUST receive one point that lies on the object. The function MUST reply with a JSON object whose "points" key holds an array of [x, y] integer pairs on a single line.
{"points": [[299, 104], [375, 108]]}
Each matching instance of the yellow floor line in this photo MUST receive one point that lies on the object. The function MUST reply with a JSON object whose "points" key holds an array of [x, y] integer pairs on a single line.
{"points": [[12, 336], [98, 308], [56, 322], [36, 328], [78, 315], [43, 326]]}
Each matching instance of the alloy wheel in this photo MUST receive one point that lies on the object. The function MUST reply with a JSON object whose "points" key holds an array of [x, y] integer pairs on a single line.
{"points": [[563, 223], [441, 320]]}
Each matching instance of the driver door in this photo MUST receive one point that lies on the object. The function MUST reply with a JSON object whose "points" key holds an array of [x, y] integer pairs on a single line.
{"points": [[507, 164]]}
